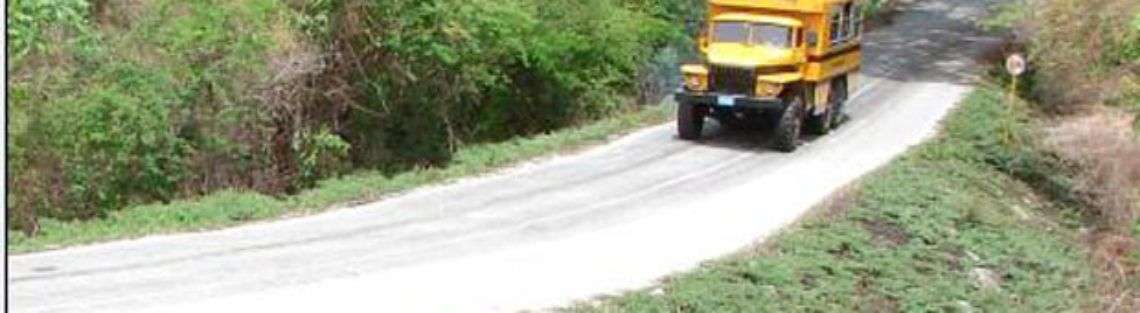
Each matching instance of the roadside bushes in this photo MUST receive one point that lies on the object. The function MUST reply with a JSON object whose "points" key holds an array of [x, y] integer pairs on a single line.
{"points": [[1087, 54], [122, 102], [143, 107], [1086, 59], [1084, 52], [428, 76], [1086, 71]]}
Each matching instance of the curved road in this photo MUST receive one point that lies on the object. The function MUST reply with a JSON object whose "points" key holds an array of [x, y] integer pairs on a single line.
{"points": [[543, 234]]}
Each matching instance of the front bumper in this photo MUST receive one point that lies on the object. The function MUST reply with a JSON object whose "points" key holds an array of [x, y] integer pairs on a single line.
{"points": [[717, 100]]}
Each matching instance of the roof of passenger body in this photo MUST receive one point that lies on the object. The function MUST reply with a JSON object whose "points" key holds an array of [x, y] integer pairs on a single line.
{"points": [[754, 18], [809, 6]]}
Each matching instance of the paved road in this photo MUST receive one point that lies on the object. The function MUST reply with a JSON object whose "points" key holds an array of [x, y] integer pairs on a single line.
{"points": [[543, 234]]}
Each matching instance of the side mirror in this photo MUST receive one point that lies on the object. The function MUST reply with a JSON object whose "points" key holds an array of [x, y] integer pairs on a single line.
{"points": [[812, 39]]}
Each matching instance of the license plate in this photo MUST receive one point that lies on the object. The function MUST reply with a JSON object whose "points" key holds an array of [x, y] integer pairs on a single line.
{"points": [[726, 100]]}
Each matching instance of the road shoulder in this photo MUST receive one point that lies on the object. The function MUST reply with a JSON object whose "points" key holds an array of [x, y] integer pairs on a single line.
{"points": [[945, 226]]}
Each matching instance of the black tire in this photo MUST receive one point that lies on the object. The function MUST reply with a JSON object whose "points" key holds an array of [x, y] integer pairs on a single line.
{"points": [[821, 124], [791, 122], [690, 121]]}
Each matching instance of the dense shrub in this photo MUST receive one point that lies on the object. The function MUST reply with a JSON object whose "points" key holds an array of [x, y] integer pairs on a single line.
{"points": [[1084, 51], [431, 75], [121, 102], [34, 25], [149, 108]]}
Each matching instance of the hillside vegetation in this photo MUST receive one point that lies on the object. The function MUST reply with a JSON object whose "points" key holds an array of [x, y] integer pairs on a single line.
{"points": [[117, 103], [1086, 82]]}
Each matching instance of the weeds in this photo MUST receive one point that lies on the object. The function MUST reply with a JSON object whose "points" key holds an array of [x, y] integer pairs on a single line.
{"points": [[1087, 68], [1103, 149]]}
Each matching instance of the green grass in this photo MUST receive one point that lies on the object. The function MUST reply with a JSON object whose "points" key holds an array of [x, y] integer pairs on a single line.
{"points": [[236, 207], [908, 237]]}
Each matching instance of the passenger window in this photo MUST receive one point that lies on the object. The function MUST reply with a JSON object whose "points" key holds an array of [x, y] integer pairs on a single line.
{"points": [[846, 23], [836, 27]]}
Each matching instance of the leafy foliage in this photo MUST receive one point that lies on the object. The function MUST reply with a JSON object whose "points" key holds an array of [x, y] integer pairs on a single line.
{"points": [[111, 115], [118, 103], [32, 23], [442, 73], [1085, 52]]}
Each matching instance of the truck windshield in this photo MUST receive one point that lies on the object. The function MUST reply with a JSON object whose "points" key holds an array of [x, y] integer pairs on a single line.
{"points": [[771, 35], [752, 34], [730, 32]]}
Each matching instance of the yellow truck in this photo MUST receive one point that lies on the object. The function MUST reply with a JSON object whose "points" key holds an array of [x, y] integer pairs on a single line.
{"points": [[789, 63]]}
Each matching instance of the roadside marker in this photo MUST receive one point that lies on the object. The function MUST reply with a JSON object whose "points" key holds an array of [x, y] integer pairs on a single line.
{"points": [[1015, 64]]}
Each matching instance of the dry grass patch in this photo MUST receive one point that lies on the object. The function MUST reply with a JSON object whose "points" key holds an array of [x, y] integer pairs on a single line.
{"points": [[1100, 142]]}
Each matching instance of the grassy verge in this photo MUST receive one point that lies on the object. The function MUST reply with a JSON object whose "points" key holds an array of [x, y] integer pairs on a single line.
{"points": [[234, 207], [950, 226]]}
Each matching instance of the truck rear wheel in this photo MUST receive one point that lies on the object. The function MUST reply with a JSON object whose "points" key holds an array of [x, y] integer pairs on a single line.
{"points": [[822, 124], [791, 121], [840, 91], [690, 121]]}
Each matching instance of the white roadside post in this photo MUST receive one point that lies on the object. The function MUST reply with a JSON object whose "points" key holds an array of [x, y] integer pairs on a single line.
{"points": [[1016, 65]]}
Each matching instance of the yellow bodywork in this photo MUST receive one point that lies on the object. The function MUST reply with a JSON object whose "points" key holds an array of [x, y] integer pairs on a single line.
{"points": [[807, 63]]}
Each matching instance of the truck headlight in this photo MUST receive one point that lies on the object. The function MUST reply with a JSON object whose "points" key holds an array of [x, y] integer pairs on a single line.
{"points": [[696, 77], [696, 82], [767, 89]]}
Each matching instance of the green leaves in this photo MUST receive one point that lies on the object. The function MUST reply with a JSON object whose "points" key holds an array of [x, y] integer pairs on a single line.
{"points": [[321, 154], [115, 142], [30, 20], [1131, 44], [113, 116], [447, 72], [119, 104]]}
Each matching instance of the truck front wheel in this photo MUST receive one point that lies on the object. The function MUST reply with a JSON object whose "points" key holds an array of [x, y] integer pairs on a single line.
{"points": [[690, 121], [791, 121]]}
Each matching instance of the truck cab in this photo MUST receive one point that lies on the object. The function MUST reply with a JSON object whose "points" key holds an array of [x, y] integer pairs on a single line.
{"points": [[764, 61]]}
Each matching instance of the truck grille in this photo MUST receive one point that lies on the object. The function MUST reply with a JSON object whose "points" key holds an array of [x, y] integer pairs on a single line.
{"points": [[732, 80]]}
